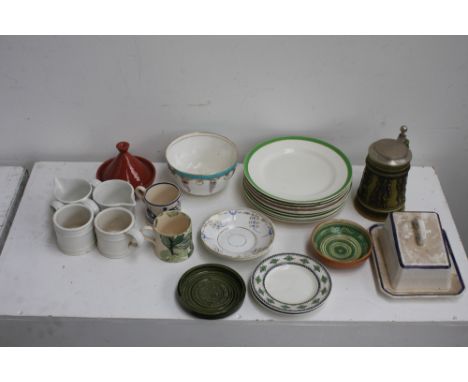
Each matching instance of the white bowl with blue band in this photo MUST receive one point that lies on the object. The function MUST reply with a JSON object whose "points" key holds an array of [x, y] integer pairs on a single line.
{"points": [[202, 163]]}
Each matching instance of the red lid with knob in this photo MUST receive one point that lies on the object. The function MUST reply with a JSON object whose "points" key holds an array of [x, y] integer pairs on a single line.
{"points": [[136, 170]]}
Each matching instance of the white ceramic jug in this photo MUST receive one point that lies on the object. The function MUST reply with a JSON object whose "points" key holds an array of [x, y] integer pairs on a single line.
{"points": [[73, 191], [114, 193]]}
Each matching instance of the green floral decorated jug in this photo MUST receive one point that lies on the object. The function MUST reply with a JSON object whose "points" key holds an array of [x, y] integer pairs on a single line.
{"points": [[383, 184]]}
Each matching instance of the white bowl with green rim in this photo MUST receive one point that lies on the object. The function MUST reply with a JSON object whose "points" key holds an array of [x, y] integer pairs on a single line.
{"points": [[298, 169], [341, 243], [202, 163]]}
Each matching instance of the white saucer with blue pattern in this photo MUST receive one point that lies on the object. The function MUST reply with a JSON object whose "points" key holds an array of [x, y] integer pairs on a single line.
{"points": [[238, 234]]}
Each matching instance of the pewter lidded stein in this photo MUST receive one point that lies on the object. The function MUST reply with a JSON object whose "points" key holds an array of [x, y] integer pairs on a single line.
{"points": [[383, 183]]}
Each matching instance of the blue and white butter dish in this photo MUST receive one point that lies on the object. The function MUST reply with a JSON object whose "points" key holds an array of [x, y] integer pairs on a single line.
{"points": [[413, 256]]}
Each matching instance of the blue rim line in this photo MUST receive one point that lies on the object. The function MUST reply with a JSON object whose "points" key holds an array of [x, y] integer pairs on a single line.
{"points": [[206, 177]]}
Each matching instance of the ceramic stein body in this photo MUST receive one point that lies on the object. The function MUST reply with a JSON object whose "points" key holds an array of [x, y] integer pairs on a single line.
{"points": [[171, 235], [72, 191], [159, 197], [73, 225], [114, 193], [116, 233], [382, 191], [383, 183]]}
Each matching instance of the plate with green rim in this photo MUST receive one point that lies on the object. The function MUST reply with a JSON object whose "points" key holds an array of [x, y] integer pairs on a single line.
{"points": [[297, 169], [299, 220], [211, 291], [296, 207], [288, 218], [341, 243], [290, 283], [297, 211]]}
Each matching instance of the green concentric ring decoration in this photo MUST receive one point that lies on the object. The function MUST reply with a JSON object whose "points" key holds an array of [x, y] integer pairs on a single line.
{"points": [[301, 301], [300, 138], [341, 241], [341, 247], [211, 291]]}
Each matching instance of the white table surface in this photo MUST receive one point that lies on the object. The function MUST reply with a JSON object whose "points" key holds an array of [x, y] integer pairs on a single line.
{"points": [[37, 280], [12, 180]]}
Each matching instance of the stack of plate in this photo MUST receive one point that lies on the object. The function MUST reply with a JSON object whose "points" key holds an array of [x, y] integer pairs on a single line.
{"points": [[297, 179]]}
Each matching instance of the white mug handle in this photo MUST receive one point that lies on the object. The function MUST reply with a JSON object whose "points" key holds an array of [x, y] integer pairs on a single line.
{"points": [[56, 205], [137, 237], [147, 238], [91, 204], [95, 182], [140, 191]]}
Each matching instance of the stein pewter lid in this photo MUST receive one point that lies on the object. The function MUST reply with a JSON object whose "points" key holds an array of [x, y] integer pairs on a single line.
{"points": [[391, 152]]}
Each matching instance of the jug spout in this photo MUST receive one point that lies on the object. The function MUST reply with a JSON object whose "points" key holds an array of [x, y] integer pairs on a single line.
{"points": [[128, 206]]}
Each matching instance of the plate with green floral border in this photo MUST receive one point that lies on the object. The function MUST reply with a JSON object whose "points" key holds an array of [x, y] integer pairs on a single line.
{"points": [[211, 291], [290, 283]]}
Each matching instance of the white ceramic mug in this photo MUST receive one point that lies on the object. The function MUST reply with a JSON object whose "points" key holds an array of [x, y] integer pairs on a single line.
{"points": [[116, 233], [114, 193], [72, 191], [73, 225], [160, 197]]}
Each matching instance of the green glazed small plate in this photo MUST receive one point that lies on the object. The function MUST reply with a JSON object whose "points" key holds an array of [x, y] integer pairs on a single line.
{"points": [[341, 243], [211, 291]]}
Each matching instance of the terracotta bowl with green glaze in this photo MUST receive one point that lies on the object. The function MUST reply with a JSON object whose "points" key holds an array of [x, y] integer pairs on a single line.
{"points": [[341, 243]]}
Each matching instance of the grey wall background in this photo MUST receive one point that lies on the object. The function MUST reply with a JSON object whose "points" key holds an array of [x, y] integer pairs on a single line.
{"points": [[73, 98]]}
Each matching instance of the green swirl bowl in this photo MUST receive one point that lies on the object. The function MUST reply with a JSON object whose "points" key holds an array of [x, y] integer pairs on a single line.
{"points": [[341, 243]]}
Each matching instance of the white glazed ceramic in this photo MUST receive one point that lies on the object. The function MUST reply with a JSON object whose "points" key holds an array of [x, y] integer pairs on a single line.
{"points": [[202, 163], [455, 287], [159, 197], [116, 233], [73, 225], [238, 234], [412, 265], [296, 207], [73, 190], [292, 217], [298, 169], [114, 193], [290, 283], [295, 210]]}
